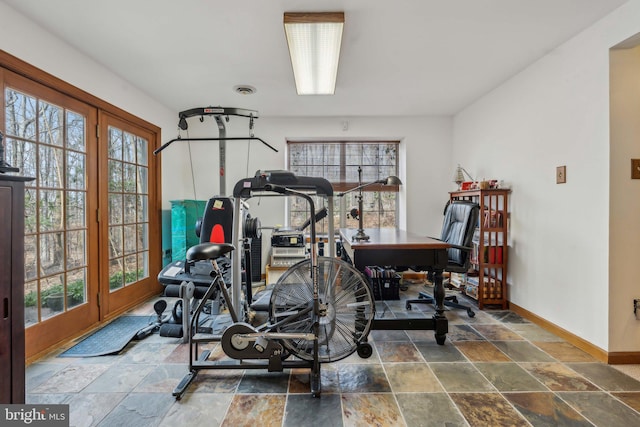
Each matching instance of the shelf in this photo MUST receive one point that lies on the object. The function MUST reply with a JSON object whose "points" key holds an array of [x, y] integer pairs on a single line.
{"points": [[493, 230], [476, 265], [489, 258]]}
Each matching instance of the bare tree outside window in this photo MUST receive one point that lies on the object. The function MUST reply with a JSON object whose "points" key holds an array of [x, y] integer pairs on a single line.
{"points": [[47, 142], [338, 162], [128, 196]]}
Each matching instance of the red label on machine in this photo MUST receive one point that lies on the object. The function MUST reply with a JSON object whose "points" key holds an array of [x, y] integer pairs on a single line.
{"points": [[217, 234]]}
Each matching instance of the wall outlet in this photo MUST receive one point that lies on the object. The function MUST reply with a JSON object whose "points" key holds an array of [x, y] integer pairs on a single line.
{"points": [[561, 174]]}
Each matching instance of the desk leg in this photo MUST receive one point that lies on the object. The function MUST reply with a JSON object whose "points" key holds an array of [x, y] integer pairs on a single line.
{"points": [[438, 291], [441, 323]]}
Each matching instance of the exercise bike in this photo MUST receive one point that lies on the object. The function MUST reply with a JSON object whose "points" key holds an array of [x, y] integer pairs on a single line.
{"points": [[321, 309]]}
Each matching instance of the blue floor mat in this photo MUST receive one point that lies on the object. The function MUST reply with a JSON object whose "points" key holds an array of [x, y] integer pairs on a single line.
{"points": [[110, 339]]}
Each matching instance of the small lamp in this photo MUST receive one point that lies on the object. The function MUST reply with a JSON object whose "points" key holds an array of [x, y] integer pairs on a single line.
{"points": [[458, 176], [390, 180]]}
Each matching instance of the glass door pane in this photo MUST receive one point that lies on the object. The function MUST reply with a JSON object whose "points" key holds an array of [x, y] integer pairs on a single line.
{"points": [[127, 208], [128, 188], [48, 141]]}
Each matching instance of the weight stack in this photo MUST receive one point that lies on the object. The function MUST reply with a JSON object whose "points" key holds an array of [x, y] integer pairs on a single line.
{"points": [[256, 259]]}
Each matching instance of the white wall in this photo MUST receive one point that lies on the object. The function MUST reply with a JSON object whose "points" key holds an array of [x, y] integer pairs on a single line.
{"points": [[39, 48], [556, 112]]}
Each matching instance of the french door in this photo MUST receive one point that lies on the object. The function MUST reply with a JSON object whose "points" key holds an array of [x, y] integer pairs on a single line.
{"points": [[127, 222], [48, 136], [92, 242]]}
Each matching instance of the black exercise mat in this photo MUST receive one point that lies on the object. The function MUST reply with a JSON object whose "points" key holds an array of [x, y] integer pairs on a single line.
{"points": [[110, 339]]}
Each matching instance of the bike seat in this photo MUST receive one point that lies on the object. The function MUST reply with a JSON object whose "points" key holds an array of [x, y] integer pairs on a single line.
{"points": [[205, 251]]}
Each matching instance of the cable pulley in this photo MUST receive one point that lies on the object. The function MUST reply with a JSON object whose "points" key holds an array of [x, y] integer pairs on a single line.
{"points": [[251, 228]]}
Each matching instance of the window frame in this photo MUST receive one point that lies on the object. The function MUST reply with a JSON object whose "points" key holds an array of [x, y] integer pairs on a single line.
{"points": [[348, 179]]}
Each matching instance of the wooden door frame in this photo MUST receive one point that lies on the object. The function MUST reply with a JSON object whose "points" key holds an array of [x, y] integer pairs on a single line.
{"points": [[47, 332], [114, 303]]}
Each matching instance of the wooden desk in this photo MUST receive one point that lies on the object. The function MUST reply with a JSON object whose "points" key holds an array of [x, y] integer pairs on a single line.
{"points": [[402, 248]]}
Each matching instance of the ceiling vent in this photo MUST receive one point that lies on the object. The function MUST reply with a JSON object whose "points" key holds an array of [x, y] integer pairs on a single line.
{"points": [[245, 89]]}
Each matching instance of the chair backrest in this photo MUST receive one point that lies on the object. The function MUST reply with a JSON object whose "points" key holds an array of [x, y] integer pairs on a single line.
{"points": [[460, 221], [217, 221]]}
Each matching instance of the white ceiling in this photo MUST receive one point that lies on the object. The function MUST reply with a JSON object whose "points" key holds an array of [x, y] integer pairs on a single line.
{"points": [[402, 57]]}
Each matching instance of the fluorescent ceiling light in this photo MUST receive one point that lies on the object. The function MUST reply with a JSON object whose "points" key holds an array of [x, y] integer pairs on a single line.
{"points": [[314, 46]]}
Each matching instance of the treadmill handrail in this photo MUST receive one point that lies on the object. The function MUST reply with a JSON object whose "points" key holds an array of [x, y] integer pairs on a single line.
{"points": [[245, 187]]}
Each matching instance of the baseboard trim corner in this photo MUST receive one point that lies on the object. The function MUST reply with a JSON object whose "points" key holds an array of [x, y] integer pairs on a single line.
{"points": [[624, 358]]}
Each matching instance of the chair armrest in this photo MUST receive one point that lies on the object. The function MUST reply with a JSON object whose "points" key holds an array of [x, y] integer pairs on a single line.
{"points": [[462, 248]]}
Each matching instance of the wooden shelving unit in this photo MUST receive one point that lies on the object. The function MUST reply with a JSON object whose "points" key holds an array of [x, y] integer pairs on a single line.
{"points": [[490, 255]]}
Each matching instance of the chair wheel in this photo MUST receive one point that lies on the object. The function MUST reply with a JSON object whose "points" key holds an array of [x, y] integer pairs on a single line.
{"points": [[470, 313], [454, 299], [365, 350], [440, 339], [407, 306]]}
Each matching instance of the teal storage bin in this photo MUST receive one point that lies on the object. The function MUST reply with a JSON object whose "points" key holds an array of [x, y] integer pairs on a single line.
{"points": [[184, 214], [166, 237]]}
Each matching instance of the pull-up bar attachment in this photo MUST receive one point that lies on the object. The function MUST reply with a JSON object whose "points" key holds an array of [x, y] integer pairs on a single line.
{"points": [[218, 113], [168, 143]]}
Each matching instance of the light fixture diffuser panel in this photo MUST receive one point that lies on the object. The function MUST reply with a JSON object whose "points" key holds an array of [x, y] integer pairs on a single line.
{"points": [[314, 47]]}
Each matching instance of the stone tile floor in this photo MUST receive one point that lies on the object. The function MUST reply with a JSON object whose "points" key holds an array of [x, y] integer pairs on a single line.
{"points": [[496, 369]]}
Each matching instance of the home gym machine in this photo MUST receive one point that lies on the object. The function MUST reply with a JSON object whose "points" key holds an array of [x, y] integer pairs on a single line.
{"points": [[189, 280], [320, 311]]}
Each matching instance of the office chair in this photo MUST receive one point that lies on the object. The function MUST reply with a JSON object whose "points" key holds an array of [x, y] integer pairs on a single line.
{"points": [[460, 221]]}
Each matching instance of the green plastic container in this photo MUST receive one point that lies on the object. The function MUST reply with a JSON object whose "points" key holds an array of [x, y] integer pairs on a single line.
{"points": [[184, 214]]}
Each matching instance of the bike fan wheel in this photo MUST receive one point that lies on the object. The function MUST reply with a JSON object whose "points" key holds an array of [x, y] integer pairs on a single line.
{"points": [[346, 308]]}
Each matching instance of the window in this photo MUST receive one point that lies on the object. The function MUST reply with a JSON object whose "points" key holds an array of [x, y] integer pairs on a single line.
{"points": [[339, 162]]}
